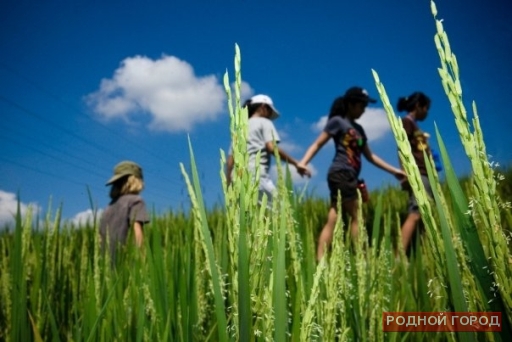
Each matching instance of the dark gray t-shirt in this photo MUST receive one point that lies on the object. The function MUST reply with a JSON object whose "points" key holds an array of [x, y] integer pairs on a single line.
{"points": [[349, 140], [119, 216]]}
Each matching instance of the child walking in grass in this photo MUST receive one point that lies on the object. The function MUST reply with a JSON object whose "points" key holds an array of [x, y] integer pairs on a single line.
{"points": [[261, 136], [126, 210], [350, 142], [417, 106]]}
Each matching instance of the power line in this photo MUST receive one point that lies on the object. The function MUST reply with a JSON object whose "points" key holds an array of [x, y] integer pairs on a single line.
{"points": [[59, 127], [57, 98], [51, 156], [60, 177], [150, 192], [42, 143], [51, 123], [73, 108], [100, 175]]}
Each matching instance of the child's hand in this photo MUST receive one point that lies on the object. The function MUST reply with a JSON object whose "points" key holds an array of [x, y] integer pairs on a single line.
{"points": [[303, 170], [400, 175]]}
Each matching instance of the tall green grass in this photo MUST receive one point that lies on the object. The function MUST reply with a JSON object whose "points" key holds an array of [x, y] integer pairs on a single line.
{"points": [[245, 272]]}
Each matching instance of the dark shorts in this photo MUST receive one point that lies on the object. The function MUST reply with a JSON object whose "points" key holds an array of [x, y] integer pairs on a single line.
{"points": [[412, 204], [344, 182]]}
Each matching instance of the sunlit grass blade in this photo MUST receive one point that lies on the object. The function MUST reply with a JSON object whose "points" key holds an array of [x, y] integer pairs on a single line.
{"points": [[377, 223], [453, 270], [473, 246], [19, 329], [279, 281], [100, 315], [200, 214], [244, 291]]}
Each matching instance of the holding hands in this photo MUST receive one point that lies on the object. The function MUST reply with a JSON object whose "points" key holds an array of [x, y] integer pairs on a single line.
{"points": [[400, 175], [303, 170]]}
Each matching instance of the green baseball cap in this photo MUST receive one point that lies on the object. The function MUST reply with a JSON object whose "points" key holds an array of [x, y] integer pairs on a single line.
{"points": [[125, 168]]}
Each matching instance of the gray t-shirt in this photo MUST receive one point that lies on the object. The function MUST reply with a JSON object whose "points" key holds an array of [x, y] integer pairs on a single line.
{"points": [[349, 140], [260, 131], [119, 216]]}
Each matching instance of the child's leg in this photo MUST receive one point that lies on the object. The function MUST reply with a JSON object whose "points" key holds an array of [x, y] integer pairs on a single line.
{"points": [[351, 207], [409, 227], [326, 235], [267, 188]]}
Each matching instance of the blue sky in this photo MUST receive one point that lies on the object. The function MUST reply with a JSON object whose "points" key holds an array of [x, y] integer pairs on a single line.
{"points": [[86, 84]]}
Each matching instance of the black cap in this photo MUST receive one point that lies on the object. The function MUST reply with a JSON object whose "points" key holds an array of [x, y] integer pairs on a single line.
{"points": [[358, 94]]}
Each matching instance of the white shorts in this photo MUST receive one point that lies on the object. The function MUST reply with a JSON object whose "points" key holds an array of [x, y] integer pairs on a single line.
{"points": [[268, 188]]}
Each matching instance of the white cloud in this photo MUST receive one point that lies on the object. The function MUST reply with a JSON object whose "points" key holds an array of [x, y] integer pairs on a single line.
{"points": [[9, 207], [320, 124], [374, 122], [297, 179], [167, 89], [84, 217], [246, 91]]}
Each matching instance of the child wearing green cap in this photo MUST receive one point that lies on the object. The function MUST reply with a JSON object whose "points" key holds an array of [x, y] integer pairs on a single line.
{"points": [[126, 208]]}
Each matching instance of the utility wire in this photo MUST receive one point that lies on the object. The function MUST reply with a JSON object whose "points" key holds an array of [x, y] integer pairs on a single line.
{"points": [[59, 99], [89, 171], [27, 137], [73, 108], [60, 177], [51, 156], [70, 180], [59, 127]]}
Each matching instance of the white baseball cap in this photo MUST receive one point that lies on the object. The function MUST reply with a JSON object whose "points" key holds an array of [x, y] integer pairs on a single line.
{"points": [[268, 101]]}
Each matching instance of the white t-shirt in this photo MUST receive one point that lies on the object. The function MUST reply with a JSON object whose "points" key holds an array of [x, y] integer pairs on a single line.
{"points": [[260, 131]]}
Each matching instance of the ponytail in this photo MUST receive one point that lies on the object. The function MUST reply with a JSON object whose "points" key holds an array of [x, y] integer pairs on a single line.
{"points": [[408, 103], [338, 107]]}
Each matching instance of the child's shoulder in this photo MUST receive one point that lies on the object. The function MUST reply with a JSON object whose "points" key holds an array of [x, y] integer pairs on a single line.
{"points": [[338, 121], [261, 121], [132, 198]]}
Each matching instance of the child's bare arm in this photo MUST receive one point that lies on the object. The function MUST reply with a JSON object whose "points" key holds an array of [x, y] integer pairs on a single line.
{"points": [[139, 235], [230, 162]]}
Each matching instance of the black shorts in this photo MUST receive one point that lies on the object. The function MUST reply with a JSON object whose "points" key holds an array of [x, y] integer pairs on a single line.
{"points": [[344, 182]]}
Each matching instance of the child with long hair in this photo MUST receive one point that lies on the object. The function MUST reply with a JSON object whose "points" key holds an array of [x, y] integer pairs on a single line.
{"points": [[126, 209], [350, 142], [417, 106]]}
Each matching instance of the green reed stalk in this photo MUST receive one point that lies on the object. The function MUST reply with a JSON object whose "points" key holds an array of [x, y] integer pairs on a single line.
{"points": [[485, 205], [17, 328], [309, 328], [434, 239], [202, 225], [335, 281], [473, 248], [5, 289]]}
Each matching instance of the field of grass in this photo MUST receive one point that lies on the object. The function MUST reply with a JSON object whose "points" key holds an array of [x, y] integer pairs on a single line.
{"points": [[241, 272], [55, 285]]}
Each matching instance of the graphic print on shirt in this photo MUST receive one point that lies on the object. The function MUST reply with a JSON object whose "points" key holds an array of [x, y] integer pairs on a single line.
{"points": [[420, 141], [353, 144]]}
